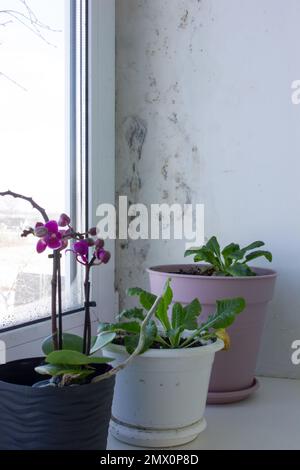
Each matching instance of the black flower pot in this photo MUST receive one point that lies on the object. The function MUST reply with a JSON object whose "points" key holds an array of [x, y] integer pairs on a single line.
{"points": [[67, 418]]}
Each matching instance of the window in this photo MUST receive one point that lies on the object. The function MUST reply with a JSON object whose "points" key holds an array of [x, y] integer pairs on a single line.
{"points": [[42, 87]]}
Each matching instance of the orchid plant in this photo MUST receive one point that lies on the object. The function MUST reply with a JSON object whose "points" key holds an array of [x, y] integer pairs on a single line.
{"points": [[68, 355]]}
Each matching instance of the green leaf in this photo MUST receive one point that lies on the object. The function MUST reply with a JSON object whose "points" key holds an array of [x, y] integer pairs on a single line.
{"points": [[204, 254], [56, 370], [186, 317], [192, 312], [133, 313], [213, 245], [131, 341], [178, 315], [146, 298], [240, 270], [74, 358], [258, 254], [102, 340], [134, 291], [253, 245], [150, 334], [125, 327], [70, 341], [163, 306], [239, 254], [228, 251], [174, 336], [168, 294], [191, 252], [225, 314]]}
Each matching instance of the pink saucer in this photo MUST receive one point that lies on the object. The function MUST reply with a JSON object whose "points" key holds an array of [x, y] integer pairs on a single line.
{"points": [[221, 398]]}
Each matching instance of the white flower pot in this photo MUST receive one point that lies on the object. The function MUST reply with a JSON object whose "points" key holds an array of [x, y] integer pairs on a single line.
{"points": [[160, 398]]}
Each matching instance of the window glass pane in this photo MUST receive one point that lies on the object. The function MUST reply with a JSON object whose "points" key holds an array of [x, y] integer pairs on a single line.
{"points": [[33, 97]]}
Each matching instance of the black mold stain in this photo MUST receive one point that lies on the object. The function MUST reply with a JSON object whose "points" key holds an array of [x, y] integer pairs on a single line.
{"points": [[185, 188], [184, 20], [135, 134], [124, 245], [173, 118], [165, 194], [144, 252], [164, 170]]}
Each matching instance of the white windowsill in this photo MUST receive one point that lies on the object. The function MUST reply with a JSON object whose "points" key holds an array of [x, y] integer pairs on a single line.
{"points": [[268, 420]]}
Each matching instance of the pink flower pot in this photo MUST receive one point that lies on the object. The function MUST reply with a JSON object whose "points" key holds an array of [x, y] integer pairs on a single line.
{"points": [[233, 371]]}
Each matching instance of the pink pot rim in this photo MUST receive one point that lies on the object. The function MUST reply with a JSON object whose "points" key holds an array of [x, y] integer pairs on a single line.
{"points": [[164, 269]]}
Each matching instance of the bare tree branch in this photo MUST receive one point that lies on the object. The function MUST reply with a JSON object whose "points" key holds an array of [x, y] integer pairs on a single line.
{"points": [[13, 81], [30, 21]]}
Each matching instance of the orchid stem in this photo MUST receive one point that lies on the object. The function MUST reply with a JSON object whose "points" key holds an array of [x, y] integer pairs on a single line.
{"points": [[60, 322], [28, 199], [87, 316], [53, 303]]}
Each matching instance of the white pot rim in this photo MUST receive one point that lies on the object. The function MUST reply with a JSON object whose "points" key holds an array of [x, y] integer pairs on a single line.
{"points": [[163, 270], [172, 353]]}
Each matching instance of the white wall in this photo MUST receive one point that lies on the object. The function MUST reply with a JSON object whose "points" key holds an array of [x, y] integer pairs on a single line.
{"points": [[203, 87]]}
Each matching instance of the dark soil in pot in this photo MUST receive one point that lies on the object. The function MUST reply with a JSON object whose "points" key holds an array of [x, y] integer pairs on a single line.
{"points": [[52, 418]]}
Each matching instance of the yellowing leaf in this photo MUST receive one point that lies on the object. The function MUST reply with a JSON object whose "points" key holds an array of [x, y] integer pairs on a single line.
{"points": [[224, 336]]}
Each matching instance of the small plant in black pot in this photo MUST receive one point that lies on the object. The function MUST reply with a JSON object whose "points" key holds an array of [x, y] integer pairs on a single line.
{"points": [[61, 401]]}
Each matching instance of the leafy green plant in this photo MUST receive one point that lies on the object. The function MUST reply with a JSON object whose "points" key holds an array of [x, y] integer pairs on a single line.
{"points": [[181, 330], [70, 365], [232, 260]]}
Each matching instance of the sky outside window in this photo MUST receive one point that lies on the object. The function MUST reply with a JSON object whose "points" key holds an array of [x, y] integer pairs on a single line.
{"points": [[32, 143]]}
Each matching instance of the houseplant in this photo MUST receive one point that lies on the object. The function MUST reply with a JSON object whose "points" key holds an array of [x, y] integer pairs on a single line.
{"points": [[226, 273], [160, 398], [71, 409]]}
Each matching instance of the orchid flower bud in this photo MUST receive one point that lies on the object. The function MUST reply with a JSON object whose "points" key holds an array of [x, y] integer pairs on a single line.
{"points": [[93, 231], [99, 243], [103, 255], [64, 220]]}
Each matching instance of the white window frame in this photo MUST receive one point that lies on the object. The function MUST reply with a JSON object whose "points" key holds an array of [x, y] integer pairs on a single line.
{"points": [[26, 341]]}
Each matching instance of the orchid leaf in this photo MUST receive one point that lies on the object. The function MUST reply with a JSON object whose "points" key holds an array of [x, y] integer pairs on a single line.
{"points": [[57, 370], [70, 341], [74, 358]]}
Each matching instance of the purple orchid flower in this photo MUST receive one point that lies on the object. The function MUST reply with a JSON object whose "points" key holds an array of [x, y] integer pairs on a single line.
{"points": [[81, 250], [51, 238]]}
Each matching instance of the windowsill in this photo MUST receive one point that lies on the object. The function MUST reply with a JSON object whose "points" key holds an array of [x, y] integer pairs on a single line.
{"points": [[268, 420]]}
